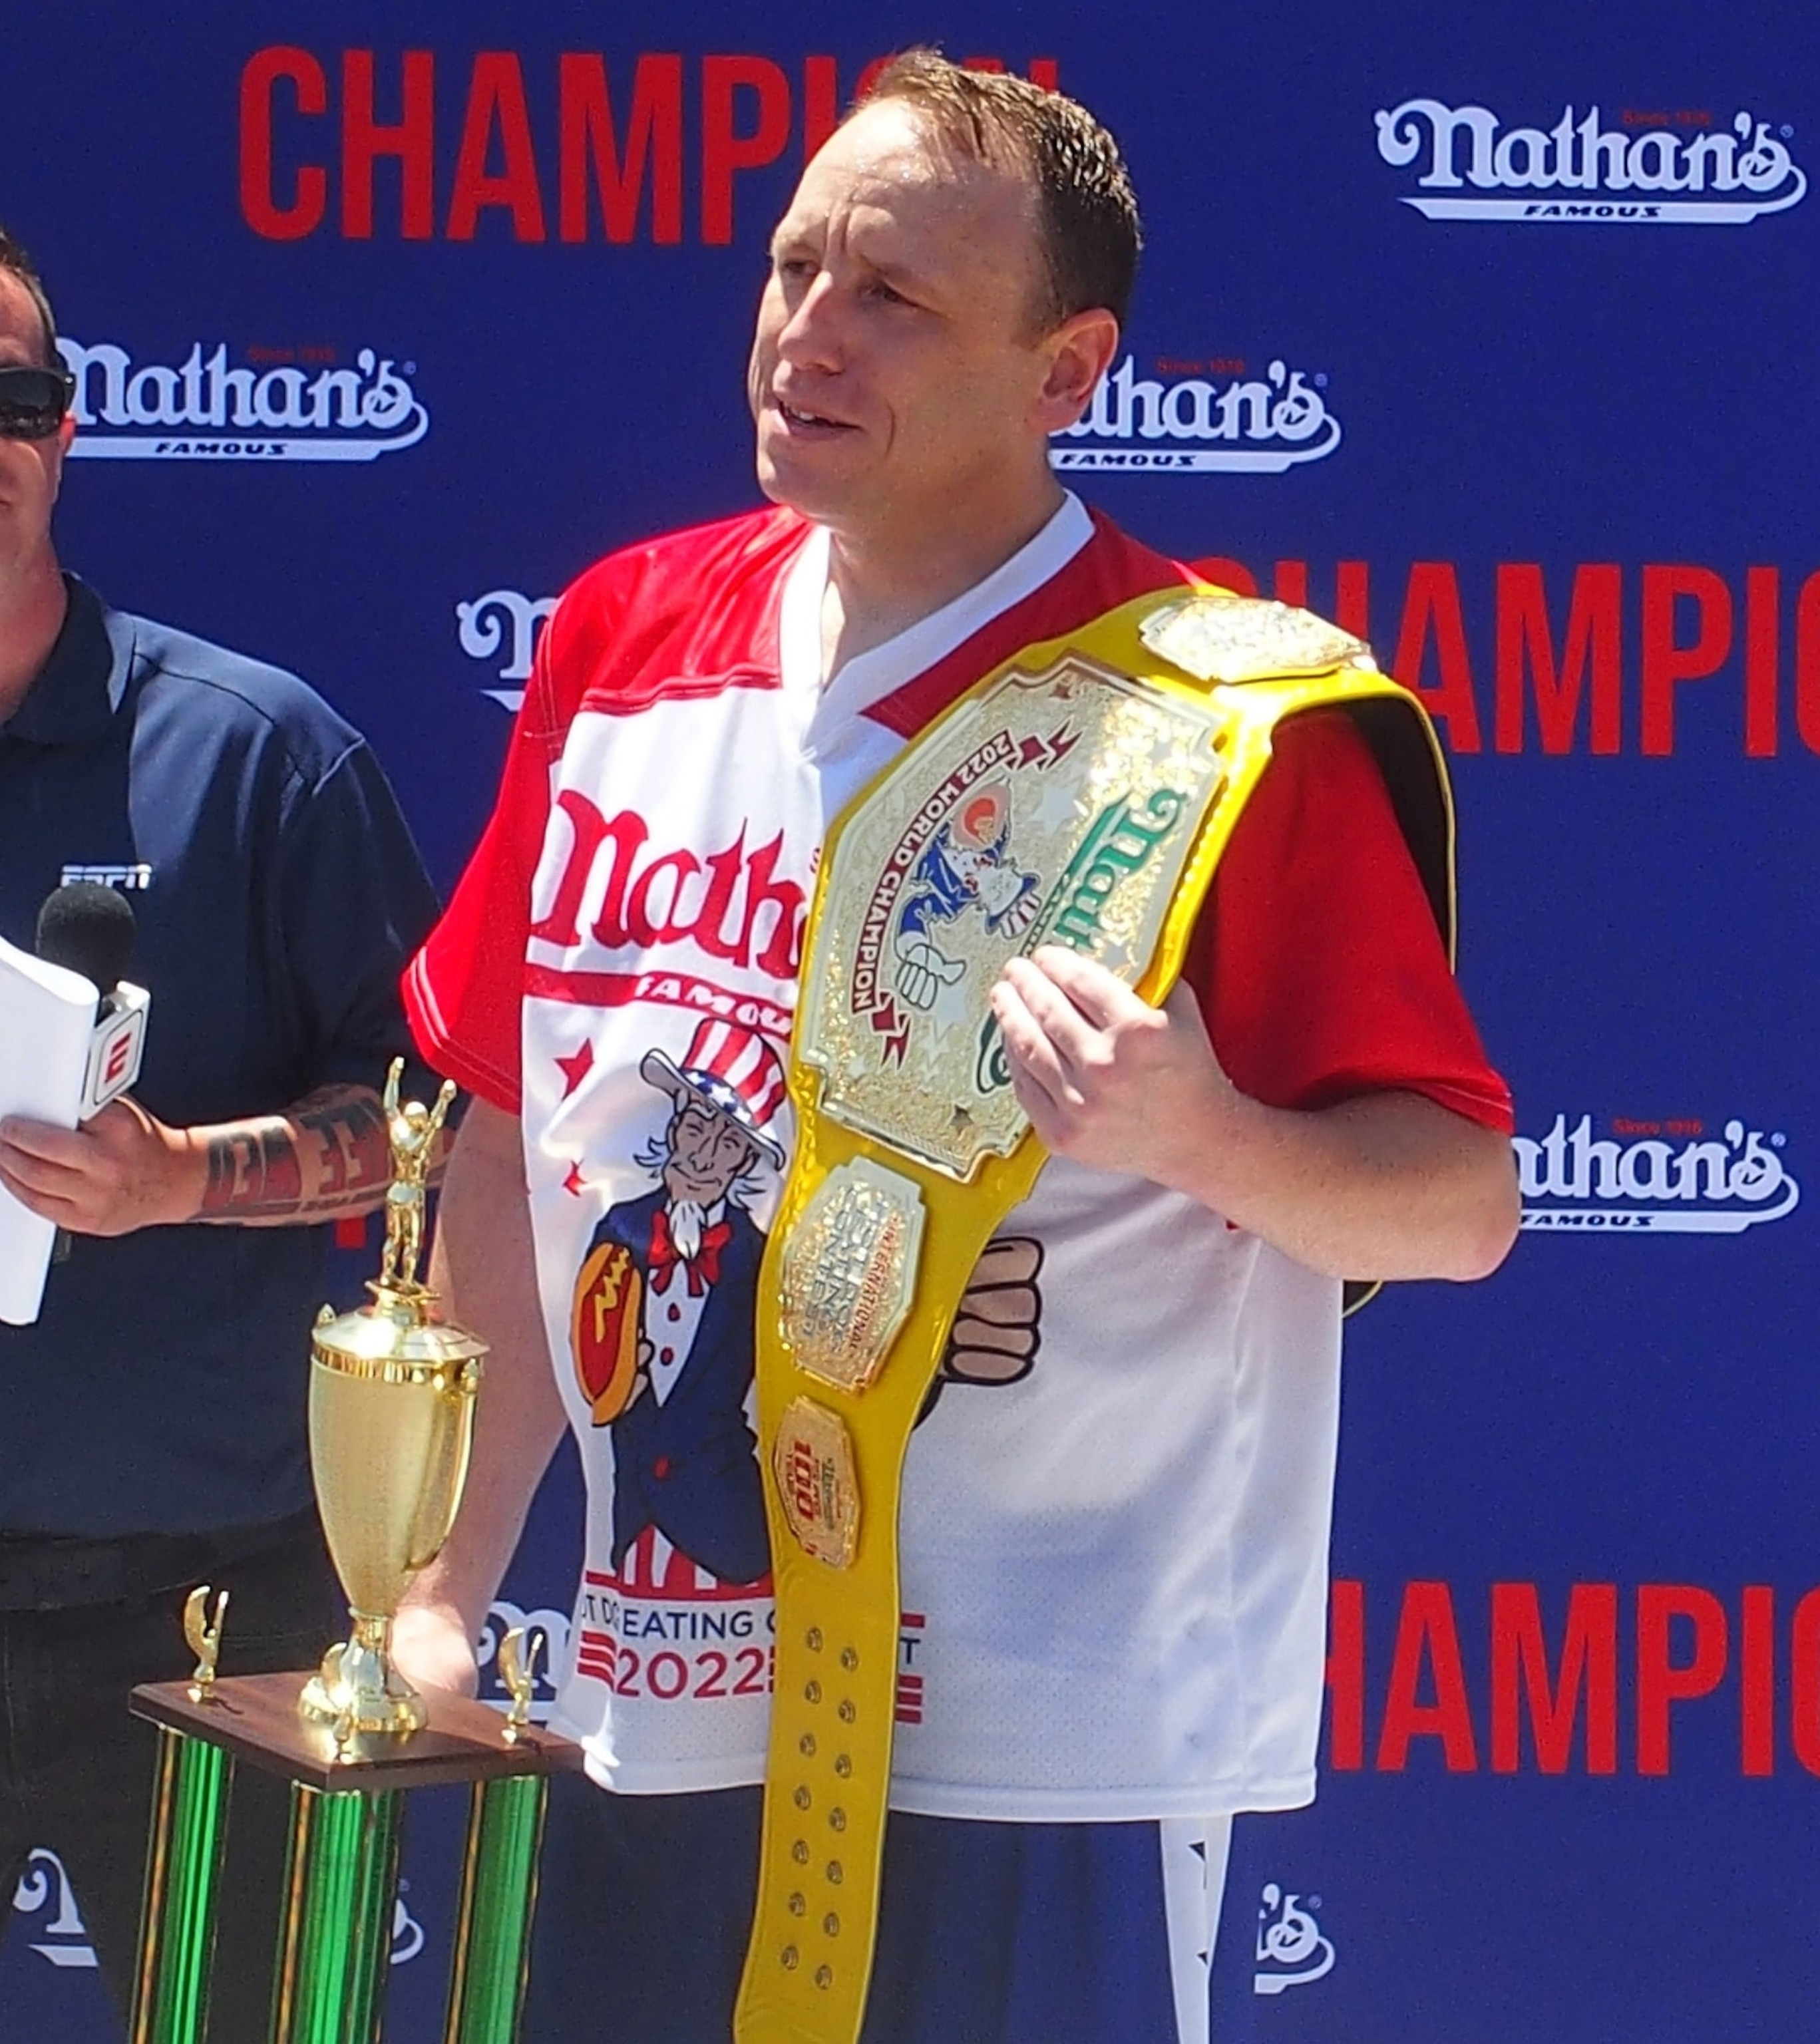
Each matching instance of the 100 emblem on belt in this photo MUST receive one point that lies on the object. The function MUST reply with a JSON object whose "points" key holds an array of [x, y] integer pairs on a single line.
{"points": [[1079, 795]]}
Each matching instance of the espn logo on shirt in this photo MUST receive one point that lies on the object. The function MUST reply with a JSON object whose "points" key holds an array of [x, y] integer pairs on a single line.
{"points": [[1672, 1177]]}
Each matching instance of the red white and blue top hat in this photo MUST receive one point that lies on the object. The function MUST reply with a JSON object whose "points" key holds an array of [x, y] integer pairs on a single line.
{"points": [[734, 1072]]}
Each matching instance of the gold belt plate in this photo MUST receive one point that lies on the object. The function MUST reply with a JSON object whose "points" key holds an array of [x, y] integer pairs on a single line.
{"points": [[818, 1481], [849, 1272], [1056, 808]]}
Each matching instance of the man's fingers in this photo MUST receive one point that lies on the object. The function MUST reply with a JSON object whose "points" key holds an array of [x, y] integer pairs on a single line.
{"points": [[1034, 1063], [1183, 1006], [1071, 1034], [34, 1201], [63, 1146], [43, 1176], [1101, 995]]}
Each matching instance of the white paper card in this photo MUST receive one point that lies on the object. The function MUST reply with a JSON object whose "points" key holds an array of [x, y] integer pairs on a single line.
{"points": [[47, 1016]]}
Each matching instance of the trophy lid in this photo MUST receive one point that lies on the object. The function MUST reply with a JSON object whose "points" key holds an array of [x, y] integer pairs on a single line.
{"points": [[396, 1336]]}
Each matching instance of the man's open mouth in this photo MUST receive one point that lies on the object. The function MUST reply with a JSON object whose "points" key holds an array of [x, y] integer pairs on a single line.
{"points": [[796, 415]]}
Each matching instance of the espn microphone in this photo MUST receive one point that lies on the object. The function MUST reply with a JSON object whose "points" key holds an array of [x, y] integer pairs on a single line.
{"points": [[89, 929]]}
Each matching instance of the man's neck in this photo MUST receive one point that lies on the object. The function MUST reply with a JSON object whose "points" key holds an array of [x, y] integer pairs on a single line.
{"points": [[33, 605], [878, 587]]}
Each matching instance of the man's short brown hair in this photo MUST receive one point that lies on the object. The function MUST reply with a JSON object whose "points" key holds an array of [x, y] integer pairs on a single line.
{"points": [[15, 263], [1088, 234]]}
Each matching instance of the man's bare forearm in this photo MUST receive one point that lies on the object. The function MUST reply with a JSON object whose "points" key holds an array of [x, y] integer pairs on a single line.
{"points": [[1388, 1185], [483, 1267], [323, 1158]]}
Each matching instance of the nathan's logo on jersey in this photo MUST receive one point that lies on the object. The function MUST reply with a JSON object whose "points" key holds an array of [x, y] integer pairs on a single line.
{"points": [[504, 621], [614, 889], [1669, 1176], [299, 404], [1642, 170], [1254, 424], [1290, 1950]]}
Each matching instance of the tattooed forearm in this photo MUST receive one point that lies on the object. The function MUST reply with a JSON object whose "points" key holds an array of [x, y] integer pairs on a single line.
{"points": [[326, 1156]]}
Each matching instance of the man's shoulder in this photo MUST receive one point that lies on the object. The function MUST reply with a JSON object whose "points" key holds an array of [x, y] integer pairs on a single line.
{"points": [[1113, 567], [181, 676], [698, 601], [643, 585]]}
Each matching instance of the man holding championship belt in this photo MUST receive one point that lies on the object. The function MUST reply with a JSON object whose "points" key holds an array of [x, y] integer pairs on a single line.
{"points": [[996, 823]]}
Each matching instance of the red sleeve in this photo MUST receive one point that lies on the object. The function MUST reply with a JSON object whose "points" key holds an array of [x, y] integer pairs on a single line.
{"points": [[1316, 960], [463, 990]]}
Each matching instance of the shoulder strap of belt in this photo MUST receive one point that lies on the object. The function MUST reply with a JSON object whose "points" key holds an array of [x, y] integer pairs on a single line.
{"points": [[872, 1248]]}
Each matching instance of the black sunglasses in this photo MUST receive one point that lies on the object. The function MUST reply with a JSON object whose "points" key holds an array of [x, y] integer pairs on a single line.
{"points": [[32, 402]]}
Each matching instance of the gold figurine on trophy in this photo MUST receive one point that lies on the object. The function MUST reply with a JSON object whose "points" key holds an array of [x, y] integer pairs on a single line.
{"points": [[391, 1419], [204, 1634]]}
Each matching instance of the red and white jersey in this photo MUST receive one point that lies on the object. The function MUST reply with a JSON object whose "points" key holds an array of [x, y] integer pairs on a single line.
{"points": [[1115, 1515]]}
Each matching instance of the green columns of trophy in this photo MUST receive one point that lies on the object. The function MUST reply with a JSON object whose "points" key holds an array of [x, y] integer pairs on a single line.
{"points": [[391, 1415]]}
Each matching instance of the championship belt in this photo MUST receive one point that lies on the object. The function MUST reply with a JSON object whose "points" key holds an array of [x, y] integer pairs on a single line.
{"points": [[1081, 794]]}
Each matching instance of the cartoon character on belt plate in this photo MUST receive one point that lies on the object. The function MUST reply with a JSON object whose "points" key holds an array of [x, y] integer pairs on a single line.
{"points": [[965, 865]]}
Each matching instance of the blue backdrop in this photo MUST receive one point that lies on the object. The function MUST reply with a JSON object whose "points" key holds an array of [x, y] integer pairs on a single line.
{"points": [[1494, 337]]}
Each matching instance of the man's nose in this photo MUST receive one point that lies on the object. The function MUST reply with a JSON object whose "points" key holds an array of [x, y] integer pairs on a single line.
{"points": [[811, 337]]}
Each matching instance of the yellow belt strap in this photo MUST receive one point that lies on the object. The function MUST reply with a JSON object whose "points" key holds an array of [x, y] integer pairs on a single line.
{"points": [[905, 1165]]}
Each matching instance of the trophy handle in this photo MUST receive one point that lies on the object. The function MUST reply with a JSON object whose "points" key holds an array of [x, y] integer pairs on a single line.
{"points": [[442, 1492]]}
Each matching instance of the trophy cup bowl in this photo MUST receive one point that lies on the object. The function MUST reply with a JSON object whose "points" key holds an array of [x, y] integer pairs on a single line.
{"points": [[391, 1421]]}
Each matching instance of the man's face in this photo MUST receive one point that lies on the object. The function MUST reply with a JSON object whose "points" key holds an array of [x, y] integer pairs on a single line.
{"points": [[894, 371], [30, 470], [707, 1153]]}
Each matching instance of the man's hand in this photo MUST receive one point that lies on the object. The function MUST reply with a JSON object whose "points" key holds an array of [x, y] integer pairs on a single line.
{"points": [[1106, 1078], [432, 1650], [123, 1171]]}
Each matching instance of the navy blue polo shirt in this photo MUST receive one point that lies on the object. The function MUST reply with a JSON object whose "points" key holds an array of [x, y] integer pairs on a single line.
{"points": [[164, 1385]]}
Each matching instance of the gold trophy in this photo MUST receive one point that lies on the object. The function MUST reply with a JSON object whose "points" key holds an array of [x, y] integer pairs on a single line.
{"points": [[391, 1420]]}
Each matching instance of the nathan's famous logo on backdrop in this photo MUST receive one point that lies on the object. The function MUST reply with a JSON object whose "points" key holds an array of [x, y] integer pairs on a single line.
{"points": [[1641, 170], [1183, 420], [1669, 1177], [501, 628], [1291, 1950], [295, 403]]}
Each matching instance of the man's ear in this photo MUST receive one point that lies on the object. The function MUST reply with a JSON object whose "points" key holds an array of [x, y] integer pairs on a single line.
{"points": [[1080, 352]]}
